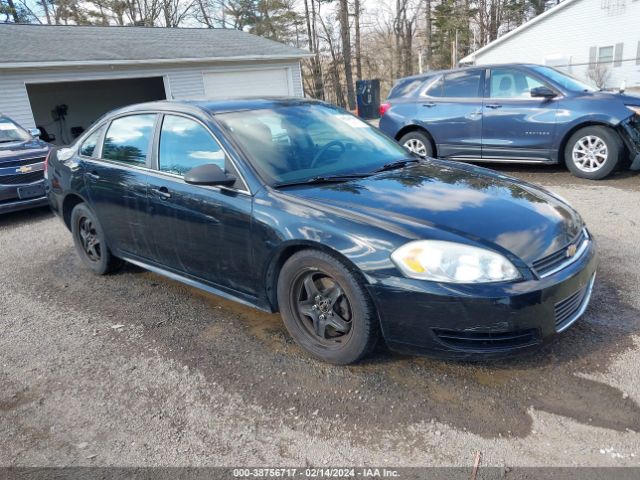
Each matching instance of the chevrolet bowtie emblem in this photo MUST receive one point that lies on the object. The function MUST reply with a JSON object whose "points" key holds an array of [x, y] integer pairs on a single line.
{"points": [[24, 169], [571, 251]]}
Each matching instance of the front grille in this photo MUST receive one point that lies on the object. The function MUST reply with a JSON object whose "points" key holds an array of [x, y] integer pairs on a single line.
{"points": [[486, 341], [20, 163], [21, 178], [571, 308], [547, 265]]}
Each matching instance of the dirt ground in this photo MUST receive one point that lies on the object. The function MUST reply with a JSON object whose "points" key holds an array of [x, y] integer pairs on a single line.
{"points": [[190, 379]]}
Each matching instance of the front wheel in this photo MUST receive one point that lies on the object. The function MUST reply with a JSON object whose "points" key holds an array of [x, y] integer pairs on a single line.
{"points": [[90, 241], [593, 152], [326, 309]]}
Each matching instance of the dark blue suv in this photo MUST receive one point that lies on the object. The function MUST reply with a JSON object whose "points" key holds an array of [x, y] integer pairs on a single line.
{"points": [[22, 163], [515, 113]]}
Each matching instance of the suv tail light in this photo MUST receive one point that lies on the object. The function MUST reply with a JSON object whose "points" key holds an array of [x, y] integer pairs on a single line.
{"points": [[384, 108]]}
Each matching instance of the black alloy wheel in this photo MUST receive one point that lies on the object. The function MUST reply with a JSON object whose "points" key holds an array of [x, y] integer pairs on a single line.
{"points": [[326, 308], [90, 241], [322, 308]]}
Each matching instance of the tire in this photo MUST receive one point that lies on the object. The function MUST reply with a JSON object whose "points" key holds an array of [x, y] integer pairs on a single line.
{"points": [[593, 152], [349, 330], [417, 142], [90, 242]]}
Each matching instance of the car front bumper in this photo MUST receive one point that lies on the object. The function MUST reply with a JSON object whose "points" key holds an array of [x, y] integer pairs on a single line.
{"points": [[466, 321], [10, 201], [630, 132]]}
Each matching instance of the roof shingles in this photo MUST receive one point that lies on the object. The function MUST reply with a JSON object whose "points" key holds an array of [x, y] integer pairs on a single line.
{"points": [[29, 44]]}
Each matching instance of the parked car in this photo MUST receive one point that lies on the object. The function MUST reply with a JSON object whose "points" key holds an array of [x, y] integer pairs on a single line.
{"points": [[22, 156], [299, 207], [515, 113]]}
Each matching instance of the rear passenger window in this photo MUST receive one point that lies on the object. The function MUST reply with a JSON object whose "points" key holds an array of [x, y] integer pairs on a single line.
{"points": [[434, 87], [405, 87], [88, 147], [464, 84], [128, 139]]}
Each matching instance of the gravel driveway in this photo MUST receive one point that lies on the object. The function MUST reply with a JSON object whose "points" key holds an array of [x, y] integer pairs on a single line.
{"points": [[133, 369]]}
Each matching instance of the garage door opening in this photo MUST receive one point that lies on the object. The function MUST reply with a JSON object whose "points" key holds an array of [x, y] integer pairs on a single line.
{"points": [[66, 109]]}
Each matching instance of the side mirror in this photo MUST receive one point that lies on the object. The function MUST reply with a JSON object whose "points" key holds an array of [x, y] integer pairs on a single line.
{"points": [[542, 92], [209, 174], [34, 132]]}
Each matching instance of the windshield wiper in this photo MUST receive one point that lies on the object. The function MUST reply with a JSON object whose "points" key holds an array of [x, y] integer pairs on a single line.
{"points": [[397, 164], [322, 179]]}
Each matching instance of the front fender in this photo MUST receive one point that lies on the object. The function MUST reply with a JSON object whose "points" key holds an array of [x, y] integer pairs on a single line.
{"points": [[284, 222]]}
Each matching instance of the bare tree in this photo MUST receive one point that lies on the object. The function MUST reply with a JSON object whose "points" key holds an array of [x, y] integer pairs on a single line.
{"points": [[599, 75], [175, 11], [358, 41], [345, 36], [334, 66], [404, 26], [316, 67], [427, 34]]}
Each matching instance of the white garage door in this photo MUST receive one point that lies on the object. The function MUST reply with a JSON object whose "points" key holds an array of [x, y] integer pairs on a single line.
{"points": [[247, 83]]}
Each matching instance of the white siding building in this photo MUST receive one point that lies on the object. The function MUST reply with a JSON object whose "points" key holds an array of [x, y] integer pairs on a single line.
{"points": [[92, 70], [576, 36]]}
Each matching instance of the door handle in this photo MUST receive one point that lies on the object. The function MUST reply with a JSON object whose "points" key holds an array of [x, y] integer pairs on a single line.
{"points": [[493, 106], [162, 192], [429, 105], [94, 177]]}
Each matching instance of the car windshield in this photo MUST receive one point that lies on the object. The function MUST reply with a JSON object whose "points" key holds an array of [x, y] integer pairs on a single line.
{"points": [[10, 132], [564, 80], [298, 143]]}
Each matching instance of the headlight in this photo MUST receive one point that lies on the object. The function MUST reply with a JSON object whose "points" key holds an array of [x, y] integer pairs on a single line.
{"points": [[452, 262], [634, 109]]}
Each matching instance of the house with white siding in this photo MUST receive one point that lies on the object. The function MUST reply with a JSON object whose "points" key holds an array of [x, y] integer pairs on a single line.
{"points": [[62, 78], [589, 39]]}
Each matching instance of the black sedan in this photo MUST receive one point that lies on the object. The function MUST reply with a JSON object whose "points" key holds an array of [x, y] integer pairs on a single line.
{"points": [[296, 206], [22, 156]]}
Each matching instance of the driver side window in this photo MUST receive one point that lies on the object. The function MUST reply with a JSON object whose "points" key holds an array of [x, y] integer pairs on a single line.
{"points": [[512, 83], [185, 144]]}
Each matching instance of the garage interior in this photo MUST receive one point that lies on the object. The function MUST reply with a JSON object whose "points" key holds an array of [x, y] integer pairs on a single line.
{"points": [[66, 109]]}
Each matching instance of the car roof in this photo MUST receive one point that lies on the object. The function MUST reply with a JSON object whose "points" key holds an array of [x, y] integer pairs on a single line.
{"points": [[431, 73], [215, 106]]}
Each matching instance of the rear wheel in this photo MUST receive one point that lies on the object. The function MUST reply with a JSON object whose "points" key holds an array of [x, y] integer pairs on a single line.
{"points": [[90, 242], [593, 152], [325, 308], [417, 142]]}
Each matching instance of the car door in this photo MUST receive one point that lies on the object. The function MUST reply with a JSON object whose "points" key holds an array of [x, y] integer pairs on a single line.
{"points": [[200, 231], [515, 125], [451, 111], [116, 180]]}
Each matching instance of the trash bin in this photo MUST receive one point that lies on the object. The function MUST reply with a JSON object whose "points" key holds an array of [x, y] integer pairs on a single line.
{"points": [[368, 98]]}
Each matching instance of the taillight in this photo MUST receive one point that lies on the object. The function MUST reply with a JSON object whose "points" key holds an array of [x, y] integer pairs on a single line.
{"points": [[384, 108]]}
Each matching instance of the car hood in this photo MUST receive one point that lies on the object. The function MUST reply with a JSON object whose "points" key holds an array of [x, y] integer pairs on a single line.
{"points": [[20, 150], [435, 198], [625, 98], [628, 99]]}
